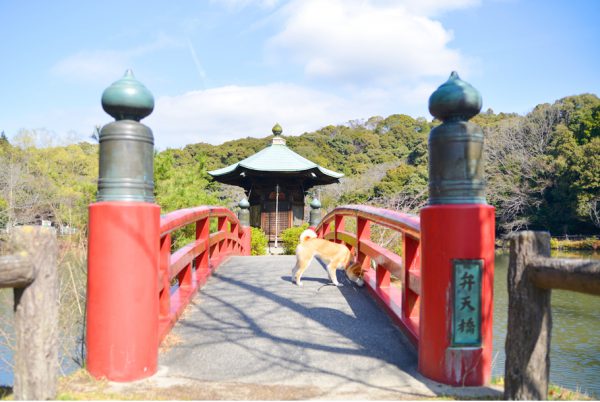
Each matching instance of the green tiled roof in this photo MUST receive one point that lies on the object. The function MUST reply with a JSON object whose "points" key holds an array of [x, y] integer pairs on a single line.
{"points": [[275, 158]]}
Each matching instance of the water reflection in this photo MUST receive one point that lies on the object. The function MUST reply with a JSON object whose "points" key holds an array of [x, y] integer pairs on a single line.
{"points": [[575, 346]]}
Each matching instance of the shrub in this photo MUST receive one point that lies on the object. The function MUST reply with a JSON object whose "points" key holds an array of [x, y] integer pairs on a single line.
{"points": [[258, 242], [290, 237]]}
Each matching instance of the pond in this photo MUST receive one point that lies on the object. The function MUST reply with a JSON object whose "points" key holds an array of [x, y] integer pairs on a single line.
{"points": [[575, 345]]}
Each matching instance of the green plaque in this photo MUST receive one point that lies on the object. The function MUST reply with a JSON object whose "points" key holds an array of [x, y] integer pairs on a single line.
{"points": [[466, 319]]}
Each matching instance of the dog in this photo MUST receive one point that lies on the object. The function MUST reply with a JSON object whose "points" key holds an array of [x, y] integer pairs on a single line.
{"points": [[333, 254]]}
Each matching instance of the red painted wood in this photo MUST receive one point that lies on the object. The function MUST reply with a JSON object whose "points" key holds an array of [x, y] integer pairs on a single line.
{"points": [[202, 233], [193, 264], [411, 276], [339, 227], [123, 304], [130, 268], [395, 220], [454, 232], [222, 228], [363, 233], [390, 299], [400, 303], [164, 276]]}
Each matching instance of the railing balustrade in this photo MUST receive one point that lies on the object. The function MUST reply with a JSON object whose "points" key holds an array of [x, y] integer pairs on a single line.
{"points": [[193, 263], [402, 304]]}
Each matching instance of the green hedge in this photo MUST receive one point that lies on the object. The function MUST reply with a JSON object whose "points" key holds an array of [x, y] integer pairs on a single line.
{"points": [[290, 237], [258, 242]]}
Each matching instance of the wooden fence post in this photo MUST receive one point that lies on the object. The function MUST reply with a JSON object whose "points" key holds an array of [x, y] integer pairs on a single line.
{"points": [[528, 337], [36, 316]]}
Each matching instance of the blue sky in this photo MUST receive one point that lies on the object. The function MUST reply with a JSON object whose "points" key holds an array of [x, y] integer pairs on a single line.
{"points": [[226, 69]]}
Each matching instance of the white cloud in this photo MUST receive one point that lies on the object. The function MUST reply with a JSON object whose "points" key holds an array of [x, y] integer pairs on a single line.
{"points": [[225, 113], [358, 42], [221, 114], [375, 57]]}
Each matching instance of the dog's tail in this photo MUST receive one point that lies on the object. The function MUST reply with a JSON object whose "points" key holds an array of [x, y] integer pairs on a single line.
{"points": [[307, 234]]}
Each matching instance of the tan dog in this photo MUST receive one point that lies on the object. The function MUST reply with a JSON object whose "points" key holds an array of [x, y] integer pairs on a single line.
{"points": [[334, 254]]}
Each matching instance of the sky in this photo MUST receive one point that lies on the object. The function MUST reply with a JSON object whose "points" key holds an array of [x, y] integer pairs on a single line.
{"points": [[227, 69]]}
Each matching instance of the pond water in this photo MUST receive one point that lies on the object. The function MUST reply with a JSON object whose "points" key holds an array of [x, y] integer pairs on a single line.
{"points": [[575, 345]]}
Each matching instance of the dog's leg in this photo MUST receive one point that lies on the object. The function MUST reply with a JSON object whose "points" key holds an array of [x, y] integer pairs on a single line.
{"points": [[294, 270], [303, 260], [331, 270]]}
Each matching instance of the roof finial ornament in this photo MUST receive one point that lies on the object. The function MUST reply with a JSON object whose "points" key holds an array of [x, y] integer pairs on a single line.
{"points": [[277, 139]]}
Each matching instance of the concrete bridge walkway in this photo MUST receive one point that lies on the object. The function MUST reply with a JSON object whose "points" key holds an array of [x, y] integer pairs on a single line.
{"points": [[250, 329]]}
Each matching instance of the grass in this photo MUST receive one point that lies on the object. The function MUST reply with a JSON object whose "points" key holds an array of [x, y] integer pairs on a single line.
{"points": [[591, 244], [555, 392], [585, 244]]}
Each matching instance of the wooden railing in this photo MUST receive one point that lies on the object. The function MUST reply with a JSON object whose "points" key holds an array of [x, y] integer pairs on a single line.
{"points": [[531, 276], [401, 303], [192, 264], [31, 270]]}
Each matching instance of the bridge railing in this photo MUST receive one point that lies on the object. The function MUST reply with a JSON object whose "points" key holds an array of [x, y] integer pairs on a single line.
{"points": [[191, 265], [402, 304]]}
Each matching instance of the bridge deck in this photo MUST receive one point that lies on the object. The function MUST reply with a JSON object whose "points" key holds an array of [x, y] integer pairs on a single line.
{"points": [[250, 326]]}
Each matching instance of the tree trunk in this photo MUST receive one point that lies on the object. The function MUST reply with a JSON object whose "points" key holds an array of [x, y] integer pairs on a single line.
{"points": [[36, 316], [527, 347]]}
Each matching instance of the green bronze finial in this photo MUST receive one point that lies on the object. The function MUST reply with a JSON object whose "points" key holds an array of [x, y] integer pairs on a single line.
{"points": [[455, 99], [126, 162], [277, 129], [456, 174], [127, 99], [244, 204], [244, 213], [315, 212]]}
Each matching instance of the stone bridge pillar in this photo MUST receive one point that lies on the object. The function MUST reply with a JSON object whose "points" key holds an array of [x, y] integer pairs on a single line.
{"points": [[123, 242], [457, 244]]}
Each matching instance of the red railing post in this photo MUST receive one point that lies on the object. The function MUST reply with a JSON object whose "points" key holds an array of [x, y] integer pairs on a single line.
{"points": [[363, 232], [124, 243], [382, 276], [339, 223], [246, 240], [222, 227], [164, 298], [411, 263], [323, 230], [202, 261], [236, 233], [457, 244], [185, 277]]}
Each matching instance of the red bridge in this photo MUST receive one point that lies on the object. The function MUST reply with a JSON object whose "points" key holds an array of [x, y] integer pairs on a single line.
{"points": [[442, 302]]}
